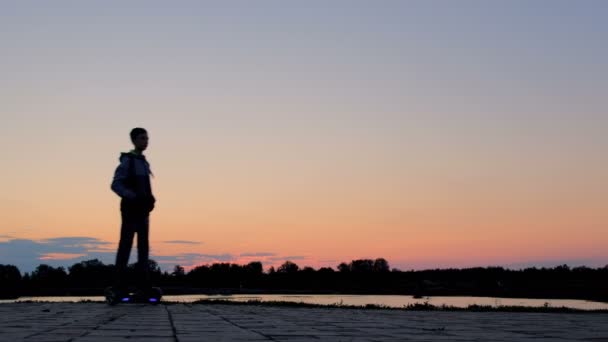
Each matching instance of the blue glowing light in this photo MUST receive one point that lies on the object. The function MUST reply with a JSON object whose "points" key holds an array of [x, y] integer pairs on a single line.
{"points": [[126, 299], [153, 300]]}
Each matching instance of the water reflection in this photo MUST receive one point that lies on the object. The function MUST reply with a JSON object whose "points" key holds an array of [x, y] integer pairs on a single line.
{"points": [[361, 300]]}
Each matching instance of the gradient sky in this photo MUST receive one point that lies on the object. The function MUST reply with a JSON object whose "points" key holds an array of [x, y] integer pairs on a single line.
{"points": [[430, 133]]}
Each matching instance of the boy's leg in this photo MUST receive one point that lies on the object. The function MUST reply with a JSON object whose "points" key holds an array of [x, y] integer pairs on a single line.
{"points": [[127, 232], [143, 250]]}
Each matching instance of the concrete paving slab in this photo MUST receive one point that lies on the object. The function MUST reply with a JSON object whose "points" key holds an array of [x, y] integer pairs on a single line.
{"points": [[94, 322]]}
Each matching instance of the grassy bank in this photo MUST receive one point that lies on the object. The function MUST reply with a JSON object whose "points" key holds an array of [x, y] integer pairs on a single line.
{"points": [[410, 307]]}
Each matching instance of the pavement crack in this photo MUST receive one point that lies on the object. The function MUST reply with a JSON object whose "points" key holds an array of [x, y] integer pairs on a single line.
{"points": [[172, 324], [244, 328], [110, 319], [46, 331]]}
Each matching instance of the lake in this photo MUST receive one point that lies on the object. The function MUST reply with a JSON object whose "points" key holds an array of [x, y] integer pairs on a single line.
{"points": [[395, 301]]}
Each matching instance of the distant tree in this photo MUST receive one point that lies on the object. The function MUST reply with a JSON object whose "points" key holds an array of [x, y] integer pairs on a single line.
{"points": [[48, 276], [582, 268], [200, 269], [236, 269], [271, 270], [87, 264], [380, 265], [10, 281], [288, 267], [220, 268], [344, 267], [90, 273], [154, 271], [254, 267], [362, 265], [326, 270], [9, 274], [199, 275], [178, 271], [153, 266], [218, 274], [308, 269]]}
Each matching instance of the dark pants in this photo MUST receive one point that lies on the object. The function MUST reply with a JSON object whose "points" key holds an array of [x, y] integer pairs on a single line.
{"points": [[133, 222]]}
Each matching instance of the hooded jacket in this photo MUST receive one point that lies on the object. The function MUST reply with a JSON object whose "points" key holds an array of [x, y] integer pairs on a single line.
{"points": [[132, 180]]}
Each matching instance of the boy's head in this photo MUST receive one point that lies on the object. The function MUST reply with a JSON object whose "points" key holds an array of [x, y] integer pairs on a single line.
{"points": [[139, 137]]}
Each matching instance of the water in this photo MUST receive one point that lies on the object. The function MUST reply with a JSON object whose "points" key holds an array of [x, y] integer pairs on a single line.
{"points": [[395, 301]]}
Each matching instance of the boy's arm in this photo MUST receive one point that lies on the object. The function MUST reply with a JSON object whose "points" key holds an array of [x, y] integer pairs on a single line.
{"points": [[118, 183]]}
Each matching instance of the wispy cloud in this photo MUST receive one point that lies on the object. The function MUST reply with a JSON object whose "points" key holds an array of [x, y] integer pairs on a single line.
{"points": [[60, 256], [184, 242], [27, 254], [258, 254], [74, 241]]}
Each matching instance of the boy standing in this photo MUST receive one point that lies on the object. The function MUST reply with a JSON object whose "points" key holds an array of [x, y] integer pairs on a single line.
{"points": [[132, 183]]}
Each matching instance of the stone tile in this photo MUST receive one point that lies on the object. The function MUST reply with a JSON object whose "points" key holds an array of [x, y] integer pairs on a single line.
{"points": [[123, 338], [93, 322]]}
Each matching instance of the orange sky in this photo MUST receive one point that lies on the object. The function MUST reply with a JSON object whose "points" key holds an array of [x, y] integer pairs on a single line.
{"points": [[325, 203]]}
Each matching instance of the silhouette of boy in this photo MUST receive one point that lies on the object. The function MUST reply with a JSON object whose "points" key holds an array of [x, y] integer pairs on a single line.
{"points": [[132, 183]]}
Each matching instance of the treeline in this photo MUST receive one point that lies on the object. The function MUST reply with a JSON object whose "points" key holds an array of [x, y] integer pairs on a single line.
{"points": [[364, 276]]}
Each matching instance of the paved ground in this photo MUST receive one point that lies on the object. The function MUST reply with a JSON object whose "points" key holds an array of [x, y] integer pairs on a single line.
{"points": [[184, 323]]}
